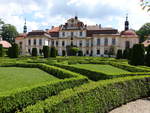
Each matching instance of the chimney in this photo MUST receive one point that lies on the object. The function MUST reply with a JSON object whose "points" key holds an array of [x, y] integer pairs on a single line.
{"points": [[52, 27], [100, 26]]}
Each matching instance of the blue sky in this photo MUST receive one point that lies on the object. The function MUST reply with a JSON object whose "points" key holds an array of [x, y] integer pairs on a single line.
{"points": [[42, 14]]}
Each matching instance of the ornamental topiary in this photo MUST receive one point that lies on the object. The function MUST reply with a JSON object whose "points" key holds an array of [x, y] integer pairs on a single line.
{"points": [[46, 51], [34, 52], [137, 56], [80, 53], [147, 56], [119, 54], [53, 52]]}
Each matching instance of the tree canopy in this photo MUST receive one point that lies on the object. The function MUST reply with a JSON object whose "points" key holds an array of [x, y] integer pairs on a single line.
{"points": [[145, 5], [9, 32], [144, 31]]}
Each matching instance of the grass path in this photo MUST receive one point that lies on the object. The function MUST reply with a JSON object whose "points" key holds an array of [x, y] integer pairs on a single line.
{"points": [[14, 77], [107, 69]]}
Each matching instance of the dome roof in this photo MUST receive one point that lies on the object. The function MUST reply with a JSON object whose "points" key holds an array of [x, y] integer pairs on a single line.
{"points": [[5, 44], [128, 32]]}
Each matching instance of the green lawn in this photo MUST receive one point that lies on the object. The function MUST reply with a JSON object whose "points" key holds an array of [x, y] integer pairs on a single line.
{"points": [[107, 69], [14, 77]]}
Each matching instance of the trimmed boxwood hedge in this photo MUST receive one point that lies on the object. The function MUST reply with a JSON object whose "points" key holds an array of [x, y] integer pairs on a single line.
{"points": [[96, 75], [100, 97], [128, 67], [17, 99]]}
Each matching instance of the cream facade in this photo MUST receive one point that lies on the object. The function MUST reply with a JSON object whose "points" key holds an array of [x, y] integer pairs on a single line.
{"points": [[92, 40]]}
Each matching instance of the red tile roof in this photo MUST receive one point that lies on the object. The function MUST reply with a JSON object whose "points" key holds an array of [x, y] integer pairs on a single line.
{"points": [[5, 44], [55, 29]]}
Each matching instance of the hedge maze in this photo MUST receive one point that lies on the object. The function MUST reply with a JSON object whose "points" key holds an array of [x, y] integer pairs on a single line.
{"points": [[86, 86]]}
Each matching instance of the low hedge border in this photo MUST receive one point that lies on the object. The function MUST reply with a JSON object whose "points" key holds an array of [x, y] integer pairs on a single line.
{"points": [[96, 75], [17, 99], [100, 97], [55, 71]]}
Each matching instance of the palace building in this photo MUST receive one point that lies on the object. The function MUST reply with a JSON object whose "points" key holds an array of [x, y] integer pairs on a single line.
{"points": [[92, 40]]}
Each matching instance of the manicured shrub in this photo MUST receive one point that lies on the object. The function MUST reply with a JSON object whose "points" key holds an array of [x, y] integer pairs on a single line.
{"points": [[34, 52], [46, 51], [138, 53], [53, 52], [63, 53], [147, 56], [80, 53], [1, 50], [74, 51], [13, 52], [119, 54], [125, 54], [100, 97]]}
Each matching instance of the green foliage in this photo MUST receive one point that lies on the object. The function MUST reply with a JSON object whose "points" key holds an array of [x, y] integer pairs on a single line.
{"points": [[138, 53], [125, 54], [34, 52], [147, 56], [1, 50], [53, 52], [20, 98], [63, 53], [80, 53], [119, 54], [46, 51], [100, 97], [144, 31], [74, 51], [9, 32], [13, 52]]}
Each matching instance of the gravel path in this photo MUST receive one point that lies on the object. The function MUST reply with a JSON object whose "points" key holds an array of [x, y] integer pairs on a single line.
{"points": [[138, 106]]}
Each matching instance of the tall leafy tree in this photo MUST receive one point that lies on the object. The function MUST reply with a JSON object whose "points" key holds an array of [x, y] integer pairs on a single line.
{"points": [[144, 31], [147, 56], [9, 32], [145, 5], [1, 50]]}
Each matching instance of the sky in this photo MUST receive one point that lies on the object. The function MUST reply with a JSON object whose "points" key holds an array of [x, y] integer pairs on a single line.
{"points": [[42, 14]]}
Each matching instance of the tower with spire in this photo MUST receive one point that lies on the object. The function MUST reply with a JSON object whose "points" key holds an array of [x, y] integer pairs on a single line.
{"points": [[126, 23], [25, 27]]}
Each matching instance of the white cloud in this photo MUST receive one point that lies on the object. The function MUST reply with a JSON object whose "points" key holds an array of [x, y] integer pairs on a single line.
{"points": [[43, 14]]}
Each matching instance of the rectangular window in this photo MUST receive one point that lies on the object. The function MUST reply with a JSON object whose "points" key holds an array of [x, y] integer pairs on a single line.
{"points": [[87, 43], [81, 33], [63, 34], [98, 52], [57, 43], [63, 43], [40, 42], [113, 41], [98, 42], [29, 42], [106, 42], [71, 34], [127, 44], [52, 42], [34, 42], [80, 43]]}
